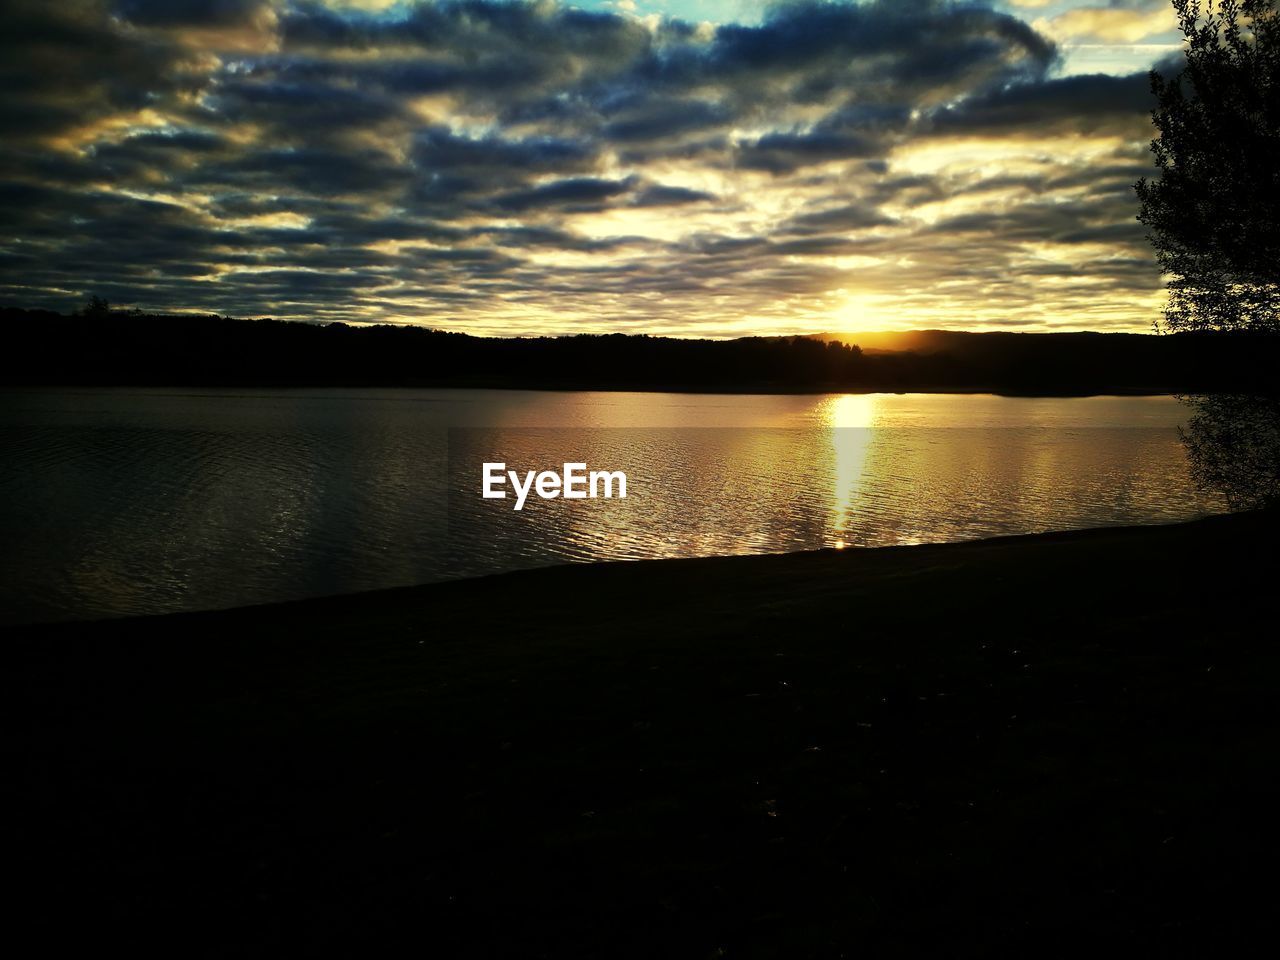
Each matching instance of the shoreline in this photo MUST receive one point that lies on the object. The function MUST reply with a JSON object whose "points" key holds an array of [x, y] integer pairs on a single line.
{"points": [[134, 349], [1027, 743], [693, 566]]}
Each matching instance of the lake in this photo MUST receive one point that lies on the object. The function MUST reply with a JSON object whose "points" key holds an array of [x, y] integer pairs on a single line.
{"points": [[128, 501]]}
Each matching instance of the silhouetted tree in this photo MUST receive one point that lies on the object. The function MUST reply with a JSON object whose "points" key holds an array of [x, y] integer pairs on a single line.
{"points": [[135, 348], [1233, 448], [1214, 211], [97, 307]]}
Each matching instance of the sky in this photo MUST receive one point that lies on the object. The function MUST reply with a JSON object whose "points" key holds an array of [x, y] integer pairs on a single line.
{"points": [[703, 168]]}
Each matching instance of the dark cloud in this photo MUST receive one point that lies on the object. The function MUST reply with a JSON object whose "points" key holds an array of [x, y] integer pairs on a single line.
{"points": [[68, 65], [786, 152], [182, 13], [660, 196], [308, 171], [438, 149], [1081, 104], [663, 120], [578, 194], [479, 164], [915, 44], [840, 219]]}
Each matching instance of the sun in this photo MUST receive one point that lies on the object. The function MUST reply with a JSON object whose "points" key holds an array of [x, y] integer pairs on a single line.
{"points": [[859, 312]]}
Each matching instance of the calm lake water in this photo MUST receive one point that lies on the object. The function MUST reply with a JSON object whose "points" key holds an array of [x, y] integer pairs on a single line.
{"points": [[116, 502]]}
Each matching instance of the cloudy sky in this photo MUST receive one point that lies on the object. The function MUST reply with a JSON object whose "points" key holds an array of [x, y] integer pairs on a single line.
{"points": [[687, 167]]}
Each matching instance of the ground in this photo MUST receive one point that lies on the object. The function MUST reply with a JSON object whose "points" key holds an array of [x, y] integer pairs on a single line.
{"points": [[1027, 745]]}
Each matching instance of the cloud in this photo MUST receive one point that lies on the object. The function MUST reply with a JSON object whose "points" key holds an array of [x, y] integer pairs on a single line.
{"points": [[531, 167], [660, 196], [582, 193], [1111, 24], [188, 13], [1089, 104]]}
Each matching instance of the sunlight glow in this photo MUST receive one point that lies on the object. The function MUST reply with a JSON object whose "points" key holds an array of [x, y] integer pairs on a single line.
{"points": [[858, 312], [850, 417]]}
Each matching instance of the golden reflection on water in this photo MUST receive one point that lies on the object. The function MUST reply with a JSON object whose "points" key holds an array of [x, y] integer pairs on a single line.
{"points": [[850, 410], [148, 502], [850, 419], [846, 470]]}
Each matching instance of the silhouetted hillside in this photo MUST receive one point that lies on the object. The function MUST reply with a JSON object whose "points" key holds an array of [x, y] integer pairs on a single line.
{"points": [[132, 349]]}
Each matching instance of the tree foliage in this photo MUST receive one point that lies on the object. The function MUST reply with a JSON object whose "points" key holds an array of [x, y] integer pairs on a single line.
{"points": [[1233, 448], [1214, 211], [96, 307]]}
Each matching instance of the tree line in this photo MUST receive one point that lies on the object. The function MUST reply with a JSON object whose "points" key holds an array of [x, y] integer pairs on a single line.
{"points": [[104, 347]]}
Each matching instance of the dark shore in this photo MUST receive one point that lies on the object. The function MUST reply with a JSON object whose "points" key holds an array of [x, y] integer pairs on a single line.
{"points": [[1031, 745], [143, 350]]}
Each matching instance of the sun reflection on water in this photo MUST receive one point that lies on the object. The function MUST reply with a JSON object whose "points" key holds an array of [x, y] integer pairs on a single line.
{"points": [[129, 502], [850, 419]]}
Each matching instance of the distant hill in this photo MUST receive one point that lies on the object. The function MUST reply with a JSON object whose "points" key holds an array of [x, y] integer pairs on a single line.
{"points": [[971, 344], [44, 348]]}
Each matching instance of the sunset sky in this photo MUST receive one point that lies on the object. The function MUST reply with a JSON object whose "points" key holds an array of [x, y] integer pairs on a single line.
{"points": [[685, 167]]}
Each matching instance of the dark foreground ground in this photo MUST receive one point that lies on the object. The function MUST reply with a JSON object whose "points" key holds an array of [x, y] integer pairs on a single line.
{"points": [[1026, 746]]}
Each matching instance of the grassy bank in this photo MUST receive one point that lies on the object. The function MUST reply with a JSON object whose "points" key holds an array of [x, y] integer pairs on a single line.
{"points": [[1024, 744]]}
